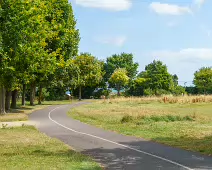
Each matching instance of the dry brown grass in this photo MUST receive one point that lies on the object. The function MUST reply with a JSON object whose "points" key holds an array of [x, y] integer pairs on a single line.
{"points": [[165, 99]]}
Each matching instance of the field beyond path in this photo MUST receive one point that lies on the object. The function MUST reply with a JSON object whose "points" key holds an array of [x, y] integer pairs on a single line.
{"points": [[184, 122]]}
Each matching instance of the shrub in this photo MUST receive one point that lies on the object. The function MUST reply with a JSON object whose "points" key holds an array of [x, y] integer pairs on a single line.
{"points": [[126, 118], [167, 118]]}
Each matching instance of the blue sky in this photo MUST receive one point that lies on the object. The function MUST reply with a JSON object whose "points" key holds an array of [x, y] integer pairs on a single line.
{"points": [[177, 32]]}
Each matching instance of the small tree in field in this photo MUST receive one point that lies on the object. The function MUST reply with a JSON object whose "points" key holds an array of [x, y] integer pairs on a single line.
{"points": [[119, 78]]}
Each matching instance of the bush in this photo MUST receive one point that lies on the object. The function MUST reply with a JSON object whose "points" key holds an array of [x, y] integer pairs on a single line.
{"points": [[167, 118], [126, 118], [101, 92]]}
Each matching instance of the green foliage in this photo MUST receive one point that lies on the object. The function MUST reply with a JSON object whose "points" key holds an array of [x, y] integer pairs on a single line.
{"points": [[157, 76], [119, 78], [101, 92], [124, 60], [203, 78], [36, 40], [86, 70], [178, 90], [150, 92], [166, 118], [137, 87], [90, 70], [126, 119], [53, 94]]}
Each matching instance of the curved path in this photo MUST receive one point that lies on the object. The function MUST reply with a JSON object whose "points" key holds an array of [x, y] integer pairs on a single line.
{"points": [[112, 150]]}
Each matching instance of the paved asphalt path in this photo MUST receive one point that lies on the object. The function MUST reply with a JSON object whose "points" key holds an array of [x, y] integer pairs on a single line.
{"points": [[112, 150]]}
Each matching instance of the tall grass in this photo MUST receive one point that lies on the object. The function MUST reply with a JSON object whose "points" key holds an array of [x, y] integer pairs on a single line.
{"points": [[164, 99]]}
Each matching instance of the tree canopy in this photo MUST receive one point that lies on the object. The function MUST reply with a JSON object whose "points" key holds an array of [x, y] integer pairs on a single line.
{"points": [[119, 78], [203, 78], [90, 71], [123, 60]]}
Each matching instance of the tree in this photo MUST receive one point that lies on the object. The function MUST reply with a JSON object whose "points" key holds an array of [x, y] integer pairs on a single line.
{"points": [[90, 72], [175, 79], [157, 76], [124, 60], [24, 33], [137, 87], [119, 78], [64, 44], [203, 79]]}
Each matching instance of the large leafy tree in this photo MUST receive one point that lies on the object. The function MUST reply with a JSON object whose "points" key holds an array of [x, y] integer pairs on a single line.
{"points": [[24, 31], [119, 78], [203, 79], [90, 71], [64, 44], [38, 37], [123, 60], [157, 76]]}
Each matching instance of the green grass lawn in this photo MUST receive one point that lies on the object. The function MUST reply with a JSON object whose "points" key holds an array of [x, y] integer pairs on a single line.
{"points": [[26, 148], [187, 126], [22, 112]]}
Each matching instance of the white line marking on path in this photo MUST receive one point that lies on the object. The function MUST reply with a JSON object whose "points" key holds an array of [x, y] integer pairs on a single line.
{"points": [[125, 146]]}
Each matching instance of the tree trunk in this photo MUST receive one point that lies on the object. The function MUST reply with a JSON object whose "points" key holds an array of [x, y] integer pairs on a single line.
{"points": [[7, 100], [2, 100], [40, 94], [32, 94], [14, 99], [118, 89], [23, 95], [80, 93]]}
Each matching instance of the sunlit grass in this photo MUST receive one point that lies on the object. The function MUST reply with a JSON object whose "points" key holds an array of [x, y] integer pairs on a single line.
{"points": [[183, 124], [26, 148]]}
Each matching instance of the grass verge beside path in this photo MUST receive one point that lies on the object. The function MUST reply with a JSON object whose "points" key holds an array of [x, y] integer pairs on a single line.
{"points": [[183, 125], [22, 112], [26, 148]]}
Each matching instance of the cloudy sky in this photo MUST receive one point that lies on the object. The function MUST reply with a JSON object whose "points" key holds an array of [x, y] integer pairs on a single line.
{"points": [[177, 32]]}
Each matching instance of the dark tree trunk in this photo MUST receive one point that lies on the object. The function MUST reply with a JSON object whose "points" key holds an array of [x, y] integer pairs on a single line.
{"points": [[40, 94], [14, 99], [7, 100], [2, 100], [80, 93], [118, 89], [32, 94], [23, 95]]}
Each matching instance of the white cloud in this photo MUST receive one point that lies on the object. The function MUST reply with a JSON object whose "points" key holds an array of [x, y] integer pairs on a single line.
{"points": [[116, 41], [112, 5], [169, 9], [189, 54]]}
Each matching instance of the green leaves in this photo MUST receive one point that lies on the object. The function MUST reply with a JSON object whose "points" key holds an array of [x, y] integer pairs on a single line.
{"points": [[203, 78], [123, 60], [37, 37], [157, 75], [119, 78], [90, 70]]}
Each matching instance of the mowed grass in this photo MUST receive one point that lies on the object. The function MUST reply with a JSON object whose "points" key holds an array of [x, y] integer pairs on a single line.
{"points": [[184, 124], [22, 112], [26, 148]]}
